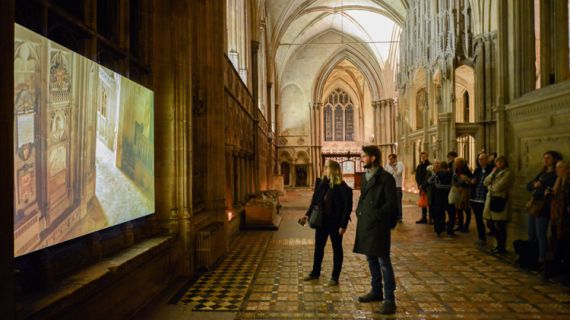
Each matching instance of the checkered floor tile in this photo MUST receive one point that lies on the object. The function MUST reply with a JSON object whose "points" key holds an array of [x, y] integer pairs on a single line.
{"points": [[224, 288]]}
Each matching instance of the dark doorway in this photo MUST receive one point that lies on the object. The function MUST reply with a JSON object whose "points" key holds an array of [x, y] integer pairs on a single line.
{"points": [[301, 175], [285, 172]]}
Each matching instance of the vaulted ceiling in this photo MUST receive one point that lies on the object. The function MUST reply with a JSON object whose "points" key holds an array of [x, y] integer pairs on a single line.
{"points": [[371, 25]]}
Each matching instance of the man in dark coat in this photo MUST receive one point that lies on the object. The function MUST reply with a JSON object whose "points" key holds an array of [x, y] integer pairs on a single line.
{"points": [[421, 173], [376, 213]]}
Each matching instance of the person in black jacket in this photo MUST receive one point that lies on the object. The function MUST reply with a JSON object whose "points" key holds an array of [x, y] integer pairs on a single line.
{"points": [[540, 187], [441, 182], [421, 172], [334, 198], [377, 214]]}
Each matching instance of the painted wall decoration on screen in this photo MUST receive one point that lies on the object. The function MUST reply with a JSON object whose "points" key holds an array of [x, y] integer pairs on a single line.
{"points": [[84, 145]]}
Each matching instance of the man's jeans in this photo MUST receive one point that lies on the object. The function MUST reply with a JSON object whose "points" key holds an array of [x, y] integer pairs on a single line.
{"points": [[478, 208], [381, 271], [537, 232]]}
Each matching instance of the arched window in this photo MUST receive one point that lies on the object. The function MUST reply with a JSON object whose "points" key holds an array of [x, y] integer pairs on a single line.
{"points": [[342, 127]]}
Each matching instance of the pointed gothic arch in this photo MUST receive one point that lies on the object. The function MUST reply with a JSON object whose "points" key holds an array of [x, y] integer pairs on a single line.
{"points": [[365, 64]]}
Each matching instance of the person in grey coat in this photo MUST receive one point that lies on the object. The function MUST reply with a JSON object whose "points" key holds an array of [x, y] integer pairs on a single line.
{"points": [[377, 214]]}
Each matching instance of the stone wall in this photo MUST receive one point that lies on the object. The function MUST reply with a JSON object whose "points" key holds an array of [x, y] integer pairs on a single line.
{"points": [[537, 122]]}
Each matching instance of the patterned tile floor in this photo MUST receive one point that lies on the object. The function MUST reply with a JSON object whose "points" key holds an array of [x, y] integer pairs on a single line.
{"points": [[225, 287], [437, 278]]}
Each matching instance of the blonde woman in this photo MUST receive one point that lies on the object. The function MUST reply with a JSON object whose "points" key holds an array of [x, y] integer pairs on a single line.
{"points": [[334, 198], [496, 209]]}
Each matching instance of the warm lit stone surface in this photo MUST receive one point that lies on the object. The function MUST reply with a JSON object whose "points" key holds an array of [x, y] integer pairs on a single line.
{"points": [[444, 278]]}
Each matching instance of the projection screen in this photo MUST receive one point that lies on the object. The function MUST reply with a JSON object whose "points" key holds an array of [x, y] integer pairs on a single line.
{"points": [[84, 145]]}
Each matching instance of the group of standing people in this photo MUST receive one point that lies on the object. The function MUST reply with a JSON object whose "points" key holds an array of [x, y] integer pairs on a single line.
{"points": [[452, 188], [549, 207], [375, 218]]}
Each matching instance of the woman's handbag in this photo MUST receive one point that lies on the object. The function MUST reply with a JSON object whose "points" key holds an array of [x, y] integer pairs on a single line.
{"points": [[453, 197], [316, 218], [498, 204], [534, 206], [423, 201]]}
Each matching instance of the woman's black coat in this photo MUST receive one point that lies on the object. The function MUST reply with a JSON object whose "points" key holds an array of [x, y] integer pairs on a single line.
{"points": [[341, 206]]}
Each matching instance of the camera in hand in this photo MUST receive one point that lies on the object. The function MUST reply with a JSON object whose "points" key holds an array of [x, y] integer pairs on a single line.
{"points": [[301, 221]]}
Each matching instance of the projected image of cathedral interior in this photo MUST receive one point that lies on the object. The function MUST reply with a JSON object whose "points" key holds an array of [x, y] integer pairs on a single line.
{"points": [[63, 172], [158, 159]]}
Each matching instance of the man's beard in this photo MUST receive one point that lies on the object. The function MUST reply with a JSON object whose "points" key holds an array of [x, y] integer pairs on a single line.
{"points": [[368, 165]]}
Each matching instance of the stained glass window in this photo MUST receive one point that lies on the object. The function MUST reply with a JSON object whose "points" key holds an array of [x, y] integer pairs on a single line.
{"points": [[348, 123], [328, 123], [342, 127], [338, 123]]}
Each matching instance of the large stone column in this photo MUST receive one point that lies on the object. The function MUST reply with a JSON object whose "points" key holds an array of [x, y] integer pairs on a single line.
{"points": [[173, 118], [183, 128], [375, 106], [209, 19], [277, 169], [448, 134], [257, 114], [271, 136], [384, 123], [166, 216], [250, 173], [501, 129], [425, 115], [560, 40], [242, 176], [502, 75], [521, 47], [444, 131], [479, 70], [7, 304], [316, 140], [229, 178], [235, 177], [394, 121]]}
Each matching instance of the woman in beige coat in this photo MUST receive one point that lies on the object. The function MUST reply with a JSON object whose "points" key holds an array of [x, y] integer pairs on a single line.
{"points": [[496, 210]]}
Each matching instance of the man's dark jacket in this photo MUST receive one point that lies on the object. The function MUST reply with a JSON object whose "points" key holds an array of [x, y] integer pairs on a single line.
{"points": [[421, 172], [375, 212], [341, 206]]}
